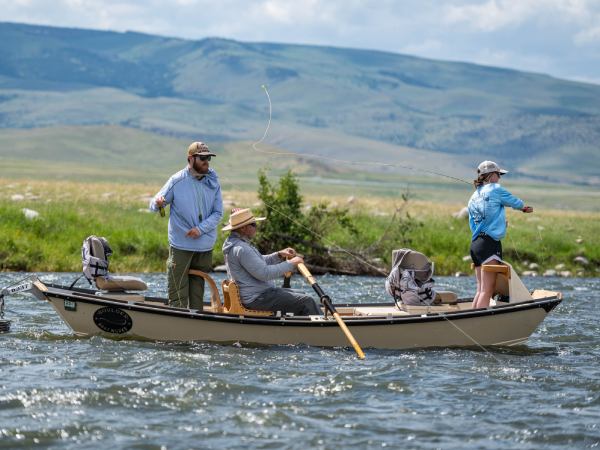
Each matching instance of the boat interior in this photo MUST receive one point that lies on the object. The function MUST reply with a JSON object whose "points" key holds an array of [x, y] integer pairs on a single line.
{"points": [[509, 289]]}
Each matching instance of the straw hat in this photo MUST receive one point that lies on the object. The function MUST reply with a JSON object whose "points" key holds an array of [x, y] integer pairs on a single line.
{"points": [[240, 218]]}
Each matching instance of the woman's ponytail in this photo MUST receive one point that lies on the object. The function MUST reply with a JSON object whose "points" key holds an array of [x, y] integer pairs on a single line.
{"points": [[481, 179]]}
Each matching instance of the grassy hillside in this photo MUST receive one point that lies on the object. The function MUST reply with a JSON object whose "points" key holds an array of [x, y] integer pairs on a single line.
{"points": [[327, 101]]}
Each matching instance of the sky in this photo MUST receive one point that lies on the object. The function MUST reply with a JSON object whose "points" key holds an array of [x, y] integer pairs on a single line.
{"points": [[556, 37]]}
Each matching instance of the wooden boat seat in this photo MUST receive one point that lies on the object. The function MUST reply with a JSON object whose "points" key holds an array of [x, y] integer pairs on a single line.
{"points": [[498, 268], [232, 303]]}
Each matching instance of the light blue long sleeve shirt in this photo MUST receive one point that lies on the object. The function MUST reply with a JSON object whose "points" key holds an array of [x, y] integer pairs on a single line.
{"points": [[486, 210], [193, 204]]}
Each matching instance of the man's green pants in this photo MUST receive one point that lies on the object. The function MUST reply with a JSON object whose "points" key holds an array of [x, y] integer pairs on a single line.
{"points": [[186, 291]]}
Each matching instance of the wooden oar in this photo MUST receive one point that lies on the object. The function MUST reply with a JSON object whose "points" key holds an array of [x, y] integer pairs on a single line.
{"points": [[327, 303]]}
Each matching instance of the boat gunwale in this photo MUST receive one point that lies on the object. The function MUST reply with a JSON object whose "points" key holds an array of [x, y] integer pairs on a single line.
{"points": [[58, 291]]}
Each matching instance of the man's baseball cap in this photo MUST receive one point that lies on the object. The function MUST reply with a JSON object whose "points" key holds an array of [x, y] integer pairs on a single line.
{"points": [[200, 149]]}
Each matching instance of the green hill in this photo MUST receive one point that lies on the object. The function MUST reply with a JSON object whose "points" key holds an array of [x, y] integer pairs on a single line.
{"points": [[356, 105]]}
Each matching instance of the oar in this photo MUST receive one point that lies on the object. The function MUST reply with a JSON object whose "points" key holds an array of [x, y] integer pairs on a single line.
{"points": [[327, 303]]}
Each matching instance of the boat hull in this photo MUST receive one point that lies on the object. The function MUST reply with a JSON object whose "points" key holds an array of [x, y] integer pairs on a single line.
{"points": [[120, 318]]}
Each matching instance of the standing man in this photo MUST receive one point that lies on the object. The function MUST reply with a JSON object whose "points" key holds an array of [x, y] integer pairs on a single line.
{"points": [[196, 209], [254, 272]]}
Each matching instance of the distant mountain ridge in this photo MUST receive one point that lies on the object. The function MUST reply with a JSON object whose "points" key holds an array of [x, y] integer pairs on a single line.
{"points": [[534, 123]]}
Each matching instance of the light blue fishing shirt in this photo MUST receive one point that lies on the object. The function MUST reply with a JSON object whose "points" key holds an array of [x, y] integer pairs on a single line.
{"points": [[486, 210], [193, 203]]}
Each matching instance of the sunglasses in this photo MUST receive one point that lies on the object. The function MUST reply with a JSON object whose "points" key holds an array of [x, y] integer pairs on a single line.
{"points": [[253, 224], [202, 158]]}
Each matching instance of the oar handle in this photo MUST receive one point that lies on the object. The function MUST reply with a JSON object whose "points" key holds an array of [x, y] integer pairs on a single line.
{"points": [[306, 274]]}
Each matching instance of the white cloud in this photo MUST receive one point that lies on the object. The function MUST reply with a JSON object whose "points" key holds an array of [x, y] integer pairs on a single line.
{"points": [[588, 36], [493, 15]]}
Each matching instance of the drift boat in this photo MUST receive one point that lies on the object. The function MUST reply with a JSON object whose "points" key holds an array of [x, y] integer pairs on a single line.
{"points": [[451, 322]]}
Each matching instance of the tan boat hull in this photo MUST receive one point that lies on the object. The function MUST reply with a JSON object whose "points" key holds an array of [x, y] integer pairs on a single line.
{"points": [[503, 325]]}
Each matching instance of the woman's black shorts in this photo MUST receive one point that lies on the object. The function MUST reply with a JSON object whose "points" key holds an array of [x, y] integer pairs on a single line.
{"points": [[484, 248]]}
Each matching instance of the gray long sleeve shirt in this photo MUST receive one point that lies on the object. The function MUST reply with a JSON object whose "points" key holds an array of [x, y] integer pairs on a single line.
{"points": [[252, 271]]}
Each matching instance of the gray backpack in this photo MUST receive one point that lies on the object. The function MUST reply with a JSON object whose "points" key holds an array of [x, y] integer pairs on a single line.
{"points": [[409, 281]]}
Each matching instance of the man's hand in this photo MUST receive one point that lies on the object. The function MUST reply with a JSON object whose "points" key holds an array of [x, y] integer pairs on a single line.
{"points": [[287, 253], [193, 233], [160, 202], [527, 209], [296, 260]]}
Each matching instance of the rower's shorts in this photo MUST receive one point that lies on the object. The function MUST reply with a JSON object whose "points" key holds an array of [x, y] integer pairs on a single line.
{"points": [[484, 249]]}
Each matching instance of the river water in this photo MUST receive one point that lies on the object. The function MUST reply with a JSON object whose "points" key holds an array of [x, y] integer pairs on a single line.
{"points": [[59, 391]]}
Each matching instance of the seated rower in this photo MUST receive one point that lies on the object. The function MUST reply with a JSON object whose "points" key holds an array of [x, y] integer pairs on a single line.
{"points": [[253, 272]]}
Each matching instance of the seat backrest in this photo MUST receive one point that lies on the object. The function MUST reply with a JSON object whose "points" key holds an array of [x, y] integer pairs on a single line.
{"points": [[95, 252], [420, 264], [232, 302]]}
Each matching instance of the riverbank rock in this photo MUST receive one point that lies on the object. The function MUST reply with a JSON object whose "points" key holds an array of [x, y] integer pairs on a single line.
{"points": [[529, 273], [30, 214], [466, 258], [566, 274], [17, 197], [560, 267], [461, 274], [462, 214], [550, 273], [581, 260], [533, 266], [579, 240]]}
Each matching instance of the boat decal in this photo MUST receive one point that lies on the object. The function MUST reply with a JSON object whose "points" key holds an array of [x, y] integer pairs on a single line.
{"points": [[113, 320]]}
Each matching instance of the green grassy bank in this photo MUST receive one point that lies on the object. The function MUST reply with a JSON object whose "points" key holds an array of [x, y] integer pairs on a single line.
{"points": [[70, 211]]}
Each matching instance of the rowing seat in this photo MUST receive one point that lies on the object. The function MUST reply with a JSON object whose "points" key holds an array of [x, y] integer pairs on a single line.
{"points": [[232, 303]]}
